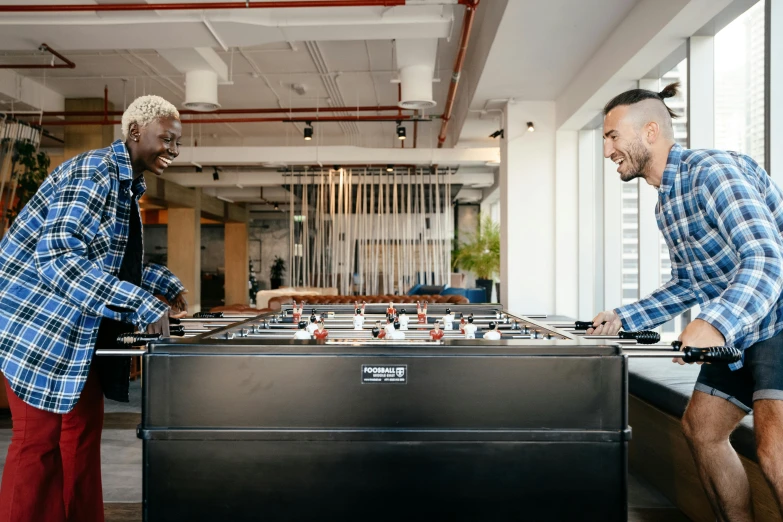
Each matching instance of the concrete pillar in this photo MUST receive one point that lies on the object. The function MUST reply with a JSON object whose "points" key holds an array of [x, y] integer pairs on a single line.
{"points": [[81, 138], [184, 251], [701, 92], [236, 263], [567, 224], [527, 198]]}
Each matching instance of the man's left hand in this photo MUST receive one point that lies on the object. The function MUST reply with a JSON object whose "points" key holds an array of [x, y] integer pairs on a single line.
{"points": [[179, 307], [700, 334]]}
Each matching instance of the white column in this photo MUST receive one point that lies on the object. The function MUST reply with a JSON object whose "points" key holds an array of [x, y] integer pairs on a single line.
{"points": [[567, 223], [527, 182], [649, 235], [599, 233], [701, 92], [586, 229], [774, 60], [613, 236]]}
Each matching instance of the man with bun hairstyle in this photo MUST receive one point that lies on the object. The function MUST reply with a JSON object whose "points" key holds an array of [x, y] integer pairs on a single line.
{"points": [[722, 217]]}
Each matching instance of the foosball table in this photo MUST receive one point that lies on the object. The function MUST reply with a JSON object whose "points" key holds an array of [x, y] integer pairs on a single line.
{"points": [[242, 422]]}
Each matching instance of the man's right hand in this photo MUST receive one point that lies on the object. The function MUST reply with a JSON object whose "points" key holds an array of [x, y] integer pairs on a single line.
{"points": [[611, 324]]}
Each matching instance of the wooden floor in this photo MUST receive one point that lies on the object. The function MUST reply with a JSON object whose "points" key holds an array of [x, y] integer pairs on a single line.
{"points": [[132, 513]]}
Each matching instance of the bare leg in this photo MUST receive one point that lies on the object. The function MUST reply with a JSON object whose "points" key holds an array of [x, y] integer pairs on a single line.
{"points": [[708, 422], [768, 420]]}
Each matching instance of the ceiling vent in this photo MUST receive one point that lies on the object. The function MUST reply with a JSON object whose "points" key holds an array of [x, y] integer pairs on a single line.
{"points": [[201, 91], [416, 61]]}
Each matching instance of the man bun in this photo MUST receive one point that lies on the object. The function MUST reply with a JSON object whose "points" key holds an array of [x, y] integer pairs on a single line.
{"points": [[670, 91]]}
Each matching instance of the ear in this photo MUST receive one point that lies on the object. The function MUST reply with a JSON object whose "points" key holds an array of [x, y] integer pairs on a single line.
{"points": [[134, 131], [652, 132]]}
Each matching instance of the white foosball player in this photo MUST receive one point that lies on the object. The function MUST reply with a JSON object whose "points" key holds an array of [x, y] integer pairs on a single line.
{"points": [[470, 329], [492, 334], [302, 333], [358, 320], [448, 320], [403, 319]]}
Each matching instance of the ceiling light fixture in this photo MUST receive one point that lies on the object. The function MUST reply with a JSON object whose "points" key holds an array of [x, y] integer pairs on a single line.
{"points": [[531, 127], [308, 131], [497, 134], [400, 131], [389, 168], [216, 174], [276, 207]]}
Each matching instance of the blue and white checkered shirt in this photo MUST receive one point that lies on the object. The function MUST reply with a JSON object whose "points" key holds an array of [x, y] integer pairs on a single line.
{"points": [[722, 218], [58, 268]]}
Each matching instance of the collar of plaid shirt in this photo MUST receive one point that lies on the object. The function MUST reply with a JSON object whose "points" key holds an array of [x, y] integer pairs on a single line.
{"points": [[138, 186], [671, 170]]}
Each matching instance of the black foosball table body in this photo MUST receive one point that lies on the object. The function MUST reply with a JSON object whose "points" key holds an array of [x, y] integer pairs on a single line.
{"points": [[246, 429]]}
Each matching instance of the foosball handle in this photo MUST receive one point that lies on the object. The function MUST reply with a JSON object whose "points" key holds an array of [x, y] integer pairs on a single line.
{"points": [[584, 325], [137, 339], [174, 320], [208, 315], [711, 354], [177, 330], [642, 337]]}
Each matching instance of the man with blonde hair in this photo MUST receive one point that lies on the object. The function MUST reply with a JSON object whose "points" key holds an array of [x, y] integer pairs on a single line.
{"points": [[71, 278]]}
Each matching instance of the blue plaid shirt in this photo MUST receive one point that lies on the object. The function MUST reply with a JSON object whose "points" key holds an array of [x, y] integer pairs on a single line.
{"points": [[58, 268], [722, 218]]}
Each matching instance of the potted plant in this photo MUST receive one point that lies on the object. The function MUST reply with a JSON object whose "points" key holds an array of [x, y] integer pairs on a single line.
{"points": [[276, 272], [34, 169], [480, 254]]}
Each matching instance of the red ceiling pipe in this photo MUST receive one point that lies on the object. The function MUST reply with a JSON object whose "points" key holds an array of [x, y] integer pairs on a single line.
{"points": [[71, 8], [380, 108], [68, 64], [467, 25], [415, 133], [65, 123]]}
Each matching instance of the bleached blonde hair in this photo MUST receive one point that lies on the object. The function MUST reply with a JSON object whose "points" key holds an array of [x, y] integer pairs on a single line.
{"points": [[146, 109]]}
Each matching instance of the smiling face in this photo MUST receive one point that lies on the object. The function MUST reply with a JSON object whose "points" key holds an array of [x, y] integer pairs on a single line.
{"points": [[624, 145], [154, 146]]}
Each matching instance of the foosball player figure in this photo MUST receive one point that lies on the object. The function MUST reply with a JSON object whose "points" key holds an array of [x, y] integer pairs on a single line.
{"points": [[462, 323], [302, 333], [376, 331], [448, 320], [470, 329], [363, 307], [298, 312], [436, 334], [515, 325], [403, 319], [313, 326], [398, 333], [421, 313], [389, 328], [391, 310], [358, 319], [321, 333], [493, 334]]}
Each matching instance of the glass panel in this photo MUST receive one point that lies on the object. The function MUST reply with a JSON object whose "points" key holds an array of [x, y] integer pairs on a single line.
{"points": [[739, 84]]}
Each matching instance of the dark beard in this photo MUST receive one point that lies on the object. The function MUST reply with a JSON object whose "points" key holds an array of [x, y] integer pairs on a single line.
{"points": [[639, 158]]}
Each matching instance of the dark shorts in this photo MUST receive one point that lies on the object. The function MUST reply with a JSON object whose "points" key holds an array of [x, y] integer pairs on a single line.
{"points": [[761, 376]]}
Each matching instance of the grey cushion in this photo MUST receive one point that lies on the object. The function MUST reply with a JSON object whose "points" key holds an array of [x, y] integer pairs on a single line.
{"points": [[668, 387]]}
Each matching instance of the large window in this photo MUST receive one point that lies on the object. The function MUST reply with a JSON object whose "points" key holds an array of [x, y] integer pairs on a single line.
{"points": [[739, 84], [630, 242]]}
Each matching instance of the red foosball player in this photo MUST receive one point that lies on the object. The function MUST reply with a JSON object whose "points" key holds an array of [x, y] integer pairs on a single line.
{"points": [[298, 312], [391, 311], [436, 334], [321, 333], [381, 331], [462, 323], [421, 312]]}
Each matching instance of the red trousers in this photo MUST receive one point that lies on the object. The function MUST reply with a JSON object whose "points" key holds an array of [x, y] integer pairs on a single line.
{"points": [[53, 468]]}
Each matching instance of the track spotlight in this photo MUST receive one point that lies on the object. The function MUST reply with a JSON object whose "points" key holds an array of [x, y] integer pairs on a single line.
{"points": [[276, 207], [337, 167], [497, 134], [216, 174], [531, 127], [389, 168], [308, 131], [400, 131]]}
